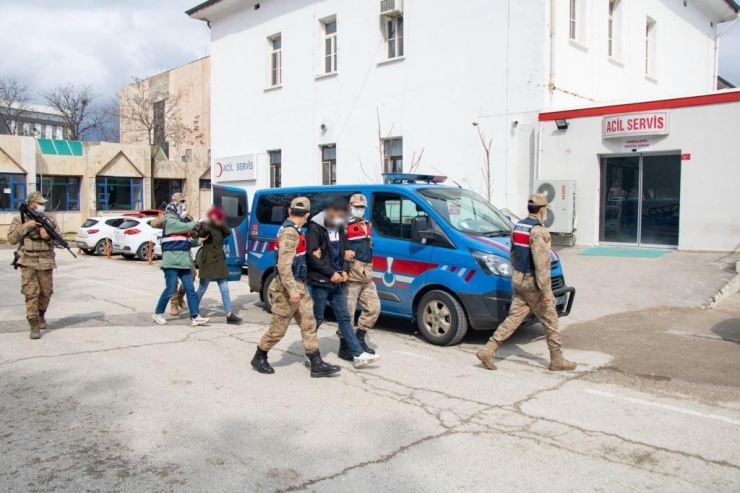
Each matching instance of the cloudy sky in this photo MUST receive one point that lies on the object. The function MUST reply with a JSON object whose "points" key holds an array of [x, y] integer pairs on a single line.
{"points": [[107, 42]]}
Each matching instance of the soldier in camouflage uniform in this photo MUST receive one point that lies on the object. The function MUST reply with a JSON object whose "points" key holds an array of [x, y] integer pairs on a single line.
{"points": [[360, 285], [530, 256], [36, 262], [290, 298]]}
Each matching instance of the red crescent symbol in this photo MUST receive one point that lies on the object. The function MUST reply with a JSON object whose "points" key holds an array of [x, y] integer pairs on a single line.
{"points": [[220, 170]]}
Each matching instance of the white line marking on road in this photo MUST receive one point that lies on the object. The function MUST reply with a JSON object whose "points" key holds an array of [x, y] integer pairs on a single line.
{"points": [[666, 407], [413, 355], [107, 284]]}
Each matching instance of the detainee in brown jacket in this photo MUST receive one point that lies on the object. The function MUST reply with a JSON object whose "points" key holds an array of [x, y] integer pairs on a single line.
{"points": [[37, 264]]}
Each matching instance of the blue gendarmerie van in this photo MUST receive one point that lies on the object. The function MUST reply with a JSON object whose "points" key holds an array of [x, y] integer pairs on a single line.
{"points": [[440, 253]]}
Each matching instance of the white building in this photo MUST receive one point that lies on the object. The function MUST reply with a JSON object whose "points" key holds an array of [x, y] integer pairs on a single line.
{"points": [[32, 120], [313, 91]]}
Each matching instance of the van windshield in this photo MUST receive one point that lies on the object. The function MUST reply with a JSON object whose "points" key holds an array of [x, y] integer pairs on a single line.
{"points": [[467, 211]]}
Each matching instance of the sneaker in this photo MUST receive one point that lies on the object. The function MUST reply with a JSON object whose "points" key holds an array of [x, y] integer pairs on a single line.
{"points": [[198, 320], [233, 319], [159, 319], [365, 359]]}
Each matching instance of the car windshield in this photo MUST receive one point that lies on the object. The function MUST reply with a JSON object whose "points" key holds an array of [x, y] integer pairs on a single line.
{"points": [[467, 211]]}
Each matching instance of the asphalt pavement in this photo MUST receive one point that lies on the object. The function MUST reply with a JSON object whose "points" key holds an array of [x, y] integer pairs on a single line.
{"points": [[107, 401]]}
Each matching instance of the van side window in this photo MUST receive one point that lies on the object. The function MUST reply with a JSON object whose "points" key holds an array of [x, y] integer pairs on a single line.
{"points": [[392, 215], [272, 208]]}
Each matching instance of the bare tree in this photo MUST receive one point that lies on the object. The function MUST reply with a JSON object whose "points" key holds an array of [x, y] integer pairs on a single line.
{"points": [[14, 103], [151, 114], [75, 103], [486, 170]]}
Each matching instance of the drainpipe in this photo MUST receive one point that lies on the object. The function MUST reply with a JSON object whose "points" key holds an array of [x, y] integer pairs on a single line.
{"points": [[716, 52]]}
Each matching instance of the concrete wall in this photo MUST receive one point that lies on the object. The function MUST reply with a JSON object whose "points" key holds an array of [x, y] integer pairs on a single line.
{"points": [[709, 218], [468, 62]]}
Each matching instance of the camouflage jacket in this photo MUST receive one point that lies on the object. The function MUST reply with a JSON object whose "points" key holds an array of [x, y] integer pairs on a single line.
{"points": [[539, 243], [289, 241], [36, 252]]}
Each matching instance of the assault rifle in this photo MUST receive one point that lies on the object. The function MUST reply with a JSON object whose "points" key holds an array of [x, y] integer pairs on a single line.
{"points": [[27, 213]]}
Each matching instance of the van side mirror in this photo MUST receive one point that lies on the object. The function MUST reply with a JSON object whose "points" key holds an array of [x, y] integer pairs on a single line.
{"points": [[421, 230]]}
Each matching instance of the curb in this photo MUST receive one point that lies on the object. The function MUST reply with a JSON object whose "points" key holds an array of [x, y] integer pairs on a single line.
{"points": [[731, 288]]}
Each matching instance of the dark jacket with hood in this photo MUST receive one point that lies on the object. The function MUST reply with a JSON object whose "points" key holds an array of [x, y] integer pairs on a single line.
{"points": [[320, 269]]}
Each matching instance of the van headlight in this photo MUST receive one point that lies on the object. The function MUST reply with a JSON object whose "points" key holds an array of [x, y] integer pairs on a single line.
{"points": [[493, 264]]}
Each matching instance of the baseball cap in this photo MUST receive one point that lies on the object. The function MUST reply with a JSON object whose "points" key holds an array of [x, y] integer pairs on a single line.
{"points": [[300, 205], [358, 200], [538, 199], [178, 197], [36, 197]]}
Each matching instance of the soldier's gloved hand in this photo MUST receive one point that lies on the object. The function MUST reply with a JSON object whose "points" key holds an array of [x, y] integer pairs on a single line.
{"points": [[295, 299]]}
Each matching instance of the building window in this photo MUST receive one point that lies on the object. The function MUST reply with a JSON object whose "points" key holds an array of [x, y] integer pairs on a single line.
{"points": [[119, 193], [62, 192], [204, 184], [329, 165], [614, 28], [276, 60], [651, 31], [393, 214], [330, 47], [573, 18], [12, 191], [164, 190], [276, 163], [159, 132], [393, 155], [394, 36]]}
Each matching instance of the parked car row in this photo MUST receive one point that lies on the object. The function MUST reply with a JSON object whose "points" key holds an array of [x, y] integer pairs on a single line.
{"points": [[128, 235]]}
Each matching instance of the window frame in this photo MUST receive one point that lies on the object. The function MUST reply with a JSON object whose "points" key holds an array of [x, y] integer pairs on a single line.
{"points": [[573, 20], [15, 180], [395, 41], [276, 167], [202, 182], [378, 223], [276, 60], [48, 195], [173, 185], [330, 46], [392, 163], [102, 180], [651, 33], [331, 163]]}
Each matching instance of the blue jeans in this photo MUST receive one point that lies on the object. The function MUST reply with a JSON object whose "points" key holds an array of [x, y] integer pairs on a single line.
{"points": [[335, 294], [223, 286], [170, 281]]}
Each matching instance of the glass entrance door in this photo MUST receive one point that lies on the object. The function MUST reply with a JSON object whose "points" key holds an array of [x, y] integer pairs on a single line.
{"points": [[640, 200]]}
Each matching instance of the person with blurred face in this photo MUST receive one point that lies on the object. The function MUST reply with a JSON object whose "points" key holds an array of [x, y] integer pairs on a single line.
{"points": [[212, 266]]}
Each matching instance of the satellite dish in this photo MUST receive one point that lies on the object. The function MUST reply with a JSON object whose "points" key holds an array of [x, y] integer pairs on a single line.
{"points": [[548, 191]]}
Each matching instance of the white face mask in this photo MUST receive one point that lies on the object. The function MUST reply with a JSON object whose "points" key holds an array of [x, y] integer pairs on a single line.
{"points": [[183, 210], [337, 222], [40, 208], [358, 212]]}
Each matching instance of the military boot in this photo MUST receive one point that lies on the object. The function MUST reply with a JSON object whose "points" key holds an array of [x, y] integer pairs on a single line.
{"points": [[344, 352], [320, 368], [42, 319], [35, 331], [181, 300], [259, 362], [485, 355], [174, 303], [361, 337], [559, 363]]}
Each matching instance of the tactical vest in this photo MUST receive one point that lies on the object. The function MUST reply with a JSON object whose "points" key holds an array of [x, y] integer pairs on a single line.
{"points": [[174, 242], [523, 260], [300, 270], [360, 238]]}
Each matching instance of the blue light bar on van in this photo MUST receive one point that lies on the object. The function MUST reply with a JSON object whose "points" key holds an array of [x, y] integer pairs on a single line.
{"points": [[412, 178]]}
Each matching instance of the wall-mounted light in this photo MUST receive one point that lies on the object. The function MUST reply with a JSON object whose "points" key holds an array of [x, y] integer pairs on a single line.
{"points": [[562, 124]]}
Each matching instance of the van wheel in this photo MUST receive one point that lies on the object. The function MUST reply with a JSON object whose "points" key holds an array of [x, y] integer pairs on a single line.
{"points": [[142, 253], [266, 299], [441, 318]]}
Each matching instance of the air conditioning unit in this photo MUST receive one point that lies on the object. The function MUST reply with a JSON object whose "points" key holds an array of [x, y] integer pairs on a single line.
{"points": [[561, 205], [391, 8]]}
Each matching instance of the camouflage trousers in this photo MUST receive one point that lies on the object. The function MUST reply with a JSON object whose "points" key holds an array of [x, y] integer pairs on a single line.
{"points": [[283, 312], [367, 295], [37, 286], [528, 299]]}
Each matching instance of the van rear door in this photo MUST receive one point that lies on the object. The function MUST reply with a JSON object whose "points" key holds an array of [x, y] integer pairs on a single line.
{"points": [[235, 204]]}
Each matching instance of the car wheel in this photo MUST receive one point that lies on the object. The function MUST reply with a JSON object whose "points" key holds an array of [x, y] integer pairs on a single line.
{"points": [[142, 253], [441, 318], [100, 248], [266, 298], [88, 251]]}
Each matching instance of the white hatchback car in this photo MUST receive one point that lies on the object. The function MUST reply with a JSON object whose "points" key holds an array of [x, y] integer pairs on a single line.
{"points": [[131, 238], [93, 232]]}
